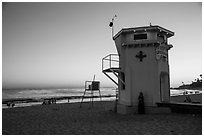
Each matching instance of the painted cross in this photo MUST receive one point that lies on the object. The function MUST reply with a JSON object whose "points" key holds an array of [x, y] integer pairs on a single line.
{"points": [[140, 56]]}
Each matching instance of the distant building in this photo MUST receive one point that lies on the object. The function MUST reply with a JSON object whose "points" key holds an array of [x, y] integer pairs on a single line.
{"points": [[193, 85]]}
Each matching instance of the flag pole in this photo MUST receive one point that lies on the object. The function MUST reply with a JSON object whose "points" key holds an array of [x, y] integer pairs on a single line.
{"points": [[112, 25], [112, 28]]}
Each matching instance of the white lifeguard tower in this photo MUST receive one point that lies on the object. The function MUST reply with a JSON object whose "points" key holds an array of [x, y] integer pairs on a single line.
{"points": [[91, 86], [142, 67]]}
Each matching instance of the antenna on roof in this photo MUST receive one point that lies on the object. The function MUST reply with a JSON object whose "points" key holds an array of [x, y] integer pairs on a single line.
{"points": [[111, 24], [94, 78]]}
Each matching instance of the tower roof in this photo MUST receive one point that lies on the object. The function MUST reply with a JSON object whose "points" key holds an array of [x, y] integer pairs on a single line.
{"points": [[168, 33]]}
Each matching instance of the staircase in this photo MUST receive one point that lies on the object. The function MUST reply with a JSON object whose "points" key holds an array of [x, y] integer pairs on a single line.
{"points": [[110, 65]]}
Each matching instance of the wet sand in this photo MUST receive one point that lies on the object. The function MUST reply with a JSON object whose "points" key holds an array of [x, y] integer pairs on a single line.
{"points": [[70, 119]]}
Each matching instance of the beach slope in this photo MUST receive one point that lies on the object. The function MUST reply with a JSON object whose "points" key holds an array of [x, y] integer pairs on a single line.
{"points": [[69, 119]]}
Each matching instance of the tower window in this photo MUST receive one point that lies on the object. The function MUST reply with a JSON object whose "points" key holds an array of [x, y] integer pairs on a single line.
{"points": [[123, 79], [140, 36]]}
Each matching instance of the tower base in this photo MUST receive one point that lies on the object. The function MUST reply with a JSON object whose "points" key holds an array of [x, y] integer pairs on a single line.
{"points": [[124, 109]]}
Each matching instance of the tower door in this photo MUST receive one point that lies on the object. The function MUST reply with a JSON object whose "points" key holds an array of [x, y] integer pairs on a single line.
{"points": [[164, 87]]}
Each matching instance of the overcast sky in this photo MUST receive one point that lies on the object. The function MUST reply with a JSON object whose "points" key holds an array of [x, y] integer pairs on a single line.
{"points": [[62, 44]]}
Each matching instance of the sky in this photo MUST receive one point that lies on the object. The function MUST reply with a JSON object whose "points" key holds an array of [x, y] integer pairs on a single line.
{"points": [[62, 44]]}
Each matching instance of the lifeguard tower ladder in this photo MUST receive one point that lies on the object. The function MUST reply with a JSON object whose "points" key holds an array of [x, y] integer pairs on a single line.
{"points": [[91, 87]]}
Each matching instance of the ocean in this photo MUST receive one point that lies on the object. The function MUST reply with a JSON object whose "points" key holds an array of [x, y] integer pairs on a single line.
{"points": [[30, 97]]}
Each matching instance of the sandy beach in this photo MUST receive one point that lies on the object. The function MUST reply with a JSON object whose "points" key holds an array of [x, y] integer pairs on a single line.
{"points": [[70, 119]]}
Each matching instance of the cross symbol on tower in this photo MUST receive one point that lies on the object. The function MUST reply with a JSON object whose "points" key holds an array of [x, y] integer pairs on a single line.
{"points": [[140, 56]]}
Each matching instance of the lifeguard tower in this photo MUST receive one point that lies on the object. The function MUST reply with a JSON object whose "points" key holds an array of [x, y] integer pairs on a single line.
{"points": [[141, 66], [91, 87]]}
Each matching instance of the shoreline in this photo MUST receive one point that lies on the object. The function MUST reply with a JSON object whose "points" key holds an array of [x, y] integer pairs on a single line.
{"points": [[27, 102]]}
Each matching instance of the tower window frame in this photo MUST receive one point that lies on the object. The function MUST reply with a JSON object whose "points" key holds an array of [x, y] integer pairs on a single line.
{"points": [[123, 78], [141, 36]]}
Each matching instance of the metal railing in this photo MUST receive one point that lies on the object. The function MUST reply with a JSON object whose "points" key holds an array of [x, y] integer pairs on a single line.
{"points": [[110, 61]]}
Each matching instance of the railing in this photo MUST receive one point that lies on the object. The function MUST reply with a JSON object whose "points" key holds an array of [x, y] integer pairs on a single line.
{"points": [[110, 61]]}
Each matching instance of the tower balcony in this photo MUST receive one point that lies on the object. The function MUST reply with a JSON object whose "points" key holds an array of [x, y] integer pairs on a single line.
{"points": [[110, 64], [110, 61]]}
